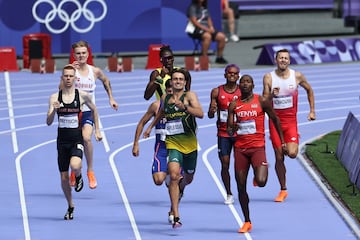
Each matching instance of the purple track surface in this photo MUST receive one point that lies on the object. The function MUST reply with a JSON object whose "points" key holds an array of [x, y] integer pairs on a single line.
{"points": [[126, 204]]}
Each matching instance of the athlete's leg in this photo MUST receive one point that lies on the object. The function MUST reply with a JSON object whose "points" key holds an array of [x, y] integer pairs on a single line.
{"points": [[159, 167], [87, 131], [174, 169], [280, 167], [65, 186], [260, 165], [241, 172], [224, 150], [189, 168], [159, 178], [293, 149]]}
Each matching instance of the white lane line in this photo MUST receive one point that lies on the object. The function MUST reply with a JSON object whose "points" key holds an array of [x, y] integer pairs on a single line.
{"points": [[122, 189], [11, 112], [220, 187], [21, 187], [104, 140]]}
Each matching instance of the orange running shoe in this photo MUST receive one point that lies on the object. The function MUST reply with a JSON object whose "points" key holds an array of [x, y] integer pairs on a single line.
{"points": [[255, 183], [92, 179], [72, 179], [282, 195], [246, 227]]}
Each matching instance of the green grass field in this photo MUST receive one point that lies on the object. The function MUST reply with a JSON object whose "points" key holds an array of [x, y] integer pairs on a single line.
{"points": [[322, 153]]}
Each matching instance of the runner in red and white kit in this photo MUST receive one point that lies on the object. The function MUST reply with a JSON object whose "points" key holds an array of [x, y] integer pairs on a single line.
{"points": [[220, 98], [249, 148], [86, 80], [281, 85]]}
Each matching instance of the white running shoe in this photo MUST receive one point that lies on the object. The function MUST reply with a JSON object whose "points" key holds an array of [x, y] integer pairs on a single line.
{"points": [[171, 218], [229, 200], [234, 38]]}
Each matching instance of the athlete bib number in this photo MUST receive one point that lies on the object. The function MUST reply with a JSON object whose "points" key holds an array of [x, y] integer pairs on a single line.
{"points": [[69, 121], [283, 102], [224, 116], [162, 133], [174, 127], [246, 127]]}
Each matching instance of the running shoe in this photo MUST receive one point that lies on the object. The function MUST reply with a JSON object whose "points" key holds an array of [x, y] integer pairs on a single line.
{"points": [[72, 179], [282, 195], [69, 215], [255, 183], [234, 38], [92, 179], [79, 183], [246, 227], [176, 223], [229, 200], [171, 218]]}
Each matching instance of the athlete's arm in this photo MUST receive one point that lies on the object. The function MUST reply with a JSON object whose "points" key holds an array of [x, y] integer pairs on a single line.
{"points": [[231, 124], [61, 85], [152, 84], [267, 107], [193, 105], [157, 118], [310, 94], [107, 86], [53, 105], [151, 112], [213, 102], [267, 86]]}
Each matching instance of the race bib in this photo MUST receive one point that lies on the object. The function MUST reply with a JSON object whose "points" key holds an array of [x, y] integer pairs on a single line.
{"points": [[174, 127], [283, 102], [69, 121], [162, 133], [223, 116], [246, 127]]}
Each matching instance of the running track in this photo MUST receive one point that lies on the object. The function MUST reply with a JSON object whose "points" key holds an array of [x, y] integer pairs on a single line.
{"points": [[126, 204]]}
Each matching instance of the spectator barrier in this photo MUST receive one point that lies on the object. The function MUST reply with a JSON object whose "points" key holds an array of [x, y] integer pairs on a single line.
{"points": [[351, 14], [258, 5], [313, 51], [348, 149]]}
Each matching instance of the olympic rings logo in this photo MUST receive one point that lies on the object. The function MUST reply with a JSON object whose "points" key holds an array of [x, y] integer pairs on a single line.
{"points": [[69, 20]]}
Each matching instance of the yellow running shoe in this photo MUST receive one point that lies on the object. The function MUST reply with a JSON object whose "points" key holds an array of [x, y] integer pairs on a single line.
{"points": [[246, 227], [92, 179], [72, 179], [282, 195]]}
